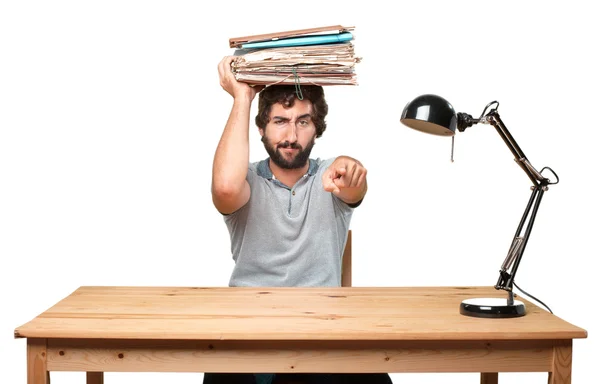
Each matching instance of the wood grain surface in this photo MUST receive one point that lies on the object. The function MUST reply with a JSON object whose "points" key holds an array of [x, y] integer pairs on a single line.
{"points": [[355, 313]]}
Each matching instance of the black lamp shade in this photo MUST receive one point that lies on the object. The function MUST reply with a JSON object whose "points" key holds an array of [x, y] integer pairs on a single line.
{"points": [[430, 114]]}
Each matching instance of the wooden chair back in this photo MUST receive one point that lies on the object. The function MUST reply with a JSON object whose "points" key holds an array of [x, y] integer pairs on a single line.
{"points": [[347, 262]]}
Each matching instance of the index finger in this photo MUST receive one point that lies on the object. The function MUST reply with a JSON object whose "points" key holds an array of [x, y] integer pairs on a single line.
{"points": [[328, 183], [331, 187]]}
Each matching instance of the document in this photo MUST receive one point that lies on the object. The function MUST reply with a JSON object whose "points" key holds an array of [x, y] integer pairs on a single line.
{"points": [[308, 56]]}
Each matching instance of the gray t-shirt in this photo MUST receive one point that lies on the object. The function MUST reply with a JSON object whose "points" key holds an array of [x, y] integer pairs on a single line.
{"points": [[288, 237]]}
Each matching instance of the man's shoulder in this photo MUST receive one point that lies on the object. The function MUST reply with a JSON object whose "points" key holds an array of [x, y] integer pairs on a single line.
{"points": [[253, 166], [323, 163], [260, 168]]}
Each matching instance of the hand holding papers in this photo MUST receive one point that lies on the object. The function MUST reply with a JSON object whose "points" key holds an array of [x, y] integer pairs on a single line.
{"points": [[319, 56]]}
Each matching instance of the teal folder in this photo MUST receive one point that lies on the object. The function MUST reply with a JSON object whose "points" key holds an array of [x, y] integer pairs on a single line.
{"points": [[299, 41]]}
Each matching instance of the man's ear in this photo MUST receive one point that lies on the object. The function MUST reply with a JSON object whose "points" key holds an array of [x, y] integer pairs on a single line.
{"points": [[261, 131]]}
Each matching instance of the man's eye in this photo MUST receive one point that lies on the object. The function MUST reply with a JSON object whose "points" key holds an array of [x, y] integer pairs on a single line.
{"points": [[304, 122], [279, 122]]}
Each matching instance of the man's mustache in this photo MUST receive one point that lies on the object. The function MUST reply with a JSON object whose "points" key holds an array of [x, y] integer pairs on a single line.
{"points": [[287, 144]]}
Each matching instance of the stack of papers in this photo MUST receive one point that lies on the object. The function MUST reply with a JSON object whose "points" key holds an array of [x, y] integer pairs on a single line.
{"points": [[319, 56]]}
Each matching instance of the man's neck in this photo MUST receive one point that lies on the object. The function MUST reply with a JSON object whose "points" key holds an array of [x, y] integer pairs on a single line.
{"points": [[288, 177]]}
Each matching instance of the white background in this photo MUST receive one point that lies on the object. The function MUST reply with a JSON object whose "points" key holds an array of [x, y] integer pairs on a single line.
{"points": [[110, 113]]}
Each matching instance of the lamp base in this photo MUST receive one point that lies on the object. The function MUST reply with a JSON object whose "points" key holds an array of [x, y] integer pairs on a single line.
{"points": [[492, 308]]}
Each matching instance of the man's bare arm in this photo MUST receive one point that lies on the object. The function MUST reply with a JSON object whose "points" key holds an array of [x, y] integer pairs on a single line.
{"points": [[230, 190]]}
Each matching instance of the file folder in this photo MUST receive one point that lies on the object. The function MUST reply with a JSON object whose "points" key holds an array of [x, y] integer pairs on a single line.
{"points": [[237, 42]]}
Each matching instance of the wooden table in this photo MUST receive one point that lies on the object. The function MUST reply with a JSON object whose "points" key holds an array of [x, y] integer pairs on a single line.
{"points": [[175, 329]]}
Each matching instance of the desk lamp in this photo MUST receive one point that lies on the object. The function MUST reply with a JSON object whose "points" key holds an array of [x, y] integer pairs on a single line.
{"points": [[433, 114]]}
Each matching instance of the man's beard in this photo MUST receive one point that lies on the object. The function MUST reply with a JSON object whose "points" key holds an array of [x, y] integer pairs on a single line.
{"points": [[298, 161]]}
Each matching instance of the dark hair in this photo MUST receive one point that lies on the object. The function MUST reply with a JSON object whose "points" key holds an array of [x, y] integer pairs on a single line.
{"points": [[286, 95]]}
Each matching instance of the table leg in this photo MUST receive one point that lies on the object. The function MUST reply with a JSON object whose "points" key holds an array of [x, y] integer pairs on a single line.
{"points": [[95, 378], [489, 378], [37, 368], [561, 363]]}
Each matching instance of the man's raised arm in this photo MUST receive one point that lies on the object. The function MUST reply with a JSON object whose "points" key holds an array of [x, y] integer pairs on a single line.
{"points": [[230, 190]]}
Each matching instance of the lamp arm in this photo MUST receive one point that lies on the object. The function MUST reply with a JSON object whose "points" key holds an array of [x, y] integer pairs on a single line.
{"points": [[520, 239], [493, 118], [465, 120], [510, 265]]}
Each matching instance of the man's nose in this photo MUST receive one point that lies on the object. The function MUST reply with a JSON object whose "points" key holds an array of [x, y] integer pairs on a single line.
{"points": [[291, 135]]}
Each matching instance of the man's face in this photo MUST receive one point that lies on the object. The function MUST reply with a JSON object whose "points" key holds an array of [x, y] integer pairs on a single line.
{"points": [[290, 134]]}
